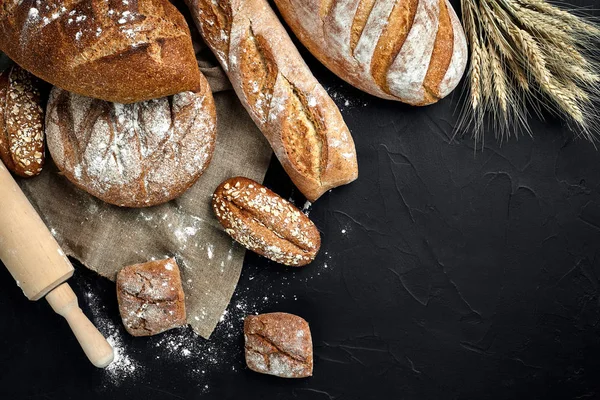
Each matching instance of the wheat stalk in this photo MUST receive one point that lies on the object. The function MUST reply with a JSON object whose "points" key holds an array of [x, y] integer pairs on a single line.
{"points": [[530, 53]]}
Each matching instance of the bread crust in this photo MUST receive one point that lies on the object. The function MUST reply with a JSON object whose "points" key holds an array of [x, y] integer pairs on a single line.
{"points": [[151, 298], [122, 52], [413, 51], [265, 223], [22, 145], [278, 344], [293, 111], [134, 155]]}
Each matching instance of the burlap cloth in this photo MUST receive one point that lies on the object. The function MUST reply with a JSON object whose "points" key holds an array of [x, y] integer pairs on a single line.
{"points": [[106, 238]]}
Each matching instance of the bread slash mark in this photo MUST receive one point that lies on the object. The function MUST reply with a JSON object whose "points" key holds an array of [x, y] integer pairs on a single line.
{"points": [[440, 59], [365, 7], [392, 39]]}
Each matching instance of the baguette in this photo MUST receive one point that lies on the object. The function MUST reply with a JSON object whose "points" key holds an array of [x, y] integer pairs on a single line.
{"points": [[414, 51], [294, 112], [118, 51]]}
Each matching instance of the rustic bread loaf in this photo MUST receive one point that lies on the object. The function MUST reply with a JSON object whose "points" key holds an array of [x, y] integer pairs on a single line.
{"points": [[299, 119], [22, 146], [121, 51], [151, 298], [413, 51], [133, 155], [265, 223], [278, 344]]}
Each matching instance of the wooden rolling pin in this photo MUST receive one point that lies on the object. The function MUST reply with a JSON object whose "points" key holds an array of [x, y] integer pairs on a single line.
{"points": [[40, 267]]}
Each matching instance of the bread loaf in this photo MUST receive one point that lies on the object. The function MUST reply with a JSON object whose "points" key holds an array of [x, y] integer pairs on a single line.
{"points": [[265, 223], [22, 147], [151, 298], [413, 51], [133, 155], [278, 344], [299, 119], [120, 51]]}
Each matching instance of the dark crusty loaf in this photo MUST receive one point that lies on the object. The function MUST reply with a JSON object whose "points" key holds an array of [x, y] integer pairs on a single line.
{"points": [[22, 146], [121, 51], [265, 223], [278, 344], [291, 108], [414, 51], [132, 155], [151, 298]]}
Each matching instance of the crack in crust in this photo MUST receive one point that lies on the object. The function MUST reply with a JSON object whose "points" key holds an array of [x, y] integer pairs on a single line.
{"points": [[151, 298], [265, 223], [278, 344], [215, 24], [392, 39], [303, 132], [259, 72], [304, 136], [325, 8], [363, 12], [439, 64]]}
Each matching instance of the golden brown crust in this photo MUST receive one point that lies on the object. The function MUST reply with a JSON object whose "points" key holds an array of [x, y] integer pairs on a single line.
{"points": [[278, 344], [293, 111], [360, 20], [145, 44], [391, 40], [438, 65], [382, 47], [265, 223], [151, 298], [22, 147], [134, 155]]}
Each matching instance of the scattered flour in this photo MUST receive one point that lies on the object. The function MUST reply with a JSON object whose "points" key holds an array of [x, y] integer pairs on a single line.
{"points": [[123, 366]]}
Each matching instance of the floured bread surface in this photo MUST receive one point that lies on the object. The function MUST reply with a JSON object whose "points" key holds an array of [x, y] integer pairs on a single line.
{"points": [[151, 298], [414, 51], [132, 155]]}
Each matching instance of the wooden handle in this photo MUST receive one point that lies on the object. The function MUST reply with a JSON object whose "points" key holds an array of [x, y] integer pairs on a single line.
{"points": [[64, 302], [27, 248]]}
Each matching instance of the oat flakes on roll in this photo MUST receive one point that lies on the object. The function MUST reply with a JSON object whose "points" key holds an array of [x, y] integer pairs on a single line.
{"points": [[414, 51], [278, 344], [132, 155], [265, 223], [22, 147]]}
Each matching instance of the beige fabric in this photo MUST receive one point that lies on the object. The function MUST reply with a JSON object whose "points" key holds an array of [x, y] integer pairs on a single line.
{"points": [[106, 238]]}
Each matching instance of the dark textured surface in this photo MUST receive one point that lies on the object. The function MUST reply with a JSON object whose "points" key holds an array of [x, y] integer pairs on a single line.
{"points": [[443, 274]]}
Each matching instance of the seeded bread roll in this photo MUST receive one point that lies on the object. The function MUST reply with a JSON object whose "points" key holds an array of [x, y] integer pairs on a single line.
{"points": [[414, 51], [265, 223], [132, 155], [278, 344], [151, 298], [294, 112], [121, 51], [22, 146]]}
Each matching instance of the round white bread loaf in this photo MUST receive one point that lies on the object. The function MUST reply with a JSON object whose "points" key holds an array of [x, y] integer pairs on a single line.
{"points": [[132, 155], [414, 51]]}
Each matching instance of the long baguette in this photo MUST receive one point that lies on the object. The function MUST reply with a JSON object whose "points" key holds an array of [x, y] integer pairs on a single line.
{"points": [[294, 112]]}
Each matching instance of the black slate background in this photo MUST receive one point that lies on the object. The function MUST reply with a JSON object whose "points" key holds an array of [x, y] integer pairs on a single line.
{"points": [[444, 274]]}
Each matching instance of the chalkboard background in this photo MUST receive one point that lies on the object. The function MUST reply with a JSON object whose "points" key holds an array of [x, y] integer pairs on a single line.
{"points": [[444, 273]]}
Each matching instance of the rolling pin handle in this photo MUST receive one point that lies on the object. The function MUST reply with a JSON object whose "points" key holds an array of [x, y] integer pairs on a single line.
{"points": [[64, 302]]}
